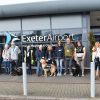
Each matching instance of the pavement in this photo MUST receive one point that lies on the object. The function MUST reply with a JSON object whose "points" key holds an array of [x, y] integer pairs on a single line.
{"points": [[50, 88]]}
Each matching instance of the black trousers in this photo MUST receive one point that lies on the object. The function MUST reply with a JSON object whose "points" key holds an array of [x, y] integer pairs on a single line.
{"points": [[14, 66], [28, 62], [29, 68]]}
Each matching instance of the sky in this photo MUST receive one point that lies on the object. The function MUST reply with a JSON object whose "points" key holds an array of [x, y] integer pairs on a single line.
{"points": [[9, 2]]}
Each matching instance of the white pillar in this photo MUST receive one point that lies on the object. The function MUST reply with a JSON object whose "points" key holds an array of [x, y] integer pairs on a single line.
{"points": [[24, 79], [92, 79]]}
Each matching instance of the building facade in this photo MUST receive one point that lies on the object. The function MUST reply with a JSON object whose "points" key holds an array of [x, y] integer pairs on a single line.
{"points": [[46, 22]]}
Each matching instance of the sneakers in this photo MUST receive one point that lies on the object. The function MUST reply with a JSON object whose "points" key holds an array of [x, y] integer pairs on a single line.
{"points": [[71, 74], [59, 74], [79, 75], [82, 74], [65, 74]]}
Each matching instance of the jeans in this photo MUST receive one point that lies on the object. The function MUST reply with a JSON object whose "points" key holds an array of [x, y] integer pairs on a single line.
{"points": [[7, 67], [68, 64], [39, 69], [59, 65]]}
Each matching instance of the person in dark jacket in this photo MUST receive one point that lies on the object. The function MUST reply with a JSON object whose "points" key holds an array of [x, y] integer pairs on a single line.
{"points": [[39, 54], [28, 59], [59, 57]]}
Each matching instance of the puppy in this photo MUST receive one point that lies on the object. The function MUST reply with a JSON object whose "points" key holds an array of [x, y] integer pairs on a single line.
{"points": [[53, 68], [44, 66]]}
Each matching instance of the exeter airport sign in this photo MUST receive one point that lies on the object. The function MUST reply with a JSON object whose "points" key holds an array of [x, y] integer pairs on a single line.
{"points": [[49, 37]]}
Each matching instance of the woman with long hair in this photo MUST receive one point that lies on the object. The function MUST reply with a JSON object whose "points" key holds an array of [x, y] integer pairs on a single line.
{"points": [[80, 53]]}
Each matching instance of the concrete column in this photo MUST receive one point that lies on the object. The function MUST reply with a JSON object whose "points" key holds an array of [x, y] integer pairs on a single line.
{"points": [[24, 79], [92, 80]]}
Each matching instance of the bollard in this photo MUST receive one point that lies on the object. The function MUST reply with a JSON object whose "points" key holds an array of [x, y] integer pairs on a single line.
{"points": [[92, 80], [24, 79]]}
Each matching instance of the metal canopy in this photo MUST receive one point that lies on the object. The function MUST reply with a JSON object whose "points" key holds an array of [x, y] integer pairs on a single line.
{"points": [[50, 7]]}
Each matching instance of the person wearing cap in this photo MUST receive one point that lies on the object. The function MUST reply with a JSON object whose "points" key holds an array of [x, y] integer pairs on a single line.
{"points": [[6, 59]]}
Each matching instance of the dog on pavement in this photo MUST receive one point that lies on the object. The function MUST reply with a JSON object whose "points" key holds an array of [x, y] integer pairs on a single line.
{"points": [[44, 66], [76, 69]]}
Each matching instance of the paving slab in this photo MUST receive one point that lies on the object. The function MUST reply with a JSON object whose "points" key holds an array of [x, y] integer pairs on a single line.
{"points": [[58, 88]]}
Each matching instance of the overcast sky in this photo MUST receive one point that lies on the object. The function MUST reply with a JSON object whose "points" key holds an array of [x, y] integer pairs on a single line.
{"points": [[7, 2]]}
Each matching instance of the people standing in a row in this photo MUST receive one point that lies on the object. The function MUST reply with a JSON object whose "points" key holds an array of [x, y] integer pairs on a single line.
{"points": [[10, 57], [63, 53]]}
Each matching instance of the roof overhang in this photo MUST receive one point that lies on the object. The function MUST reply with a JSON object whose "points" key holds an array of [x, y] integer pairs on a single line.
{"points": [[49, 7]]}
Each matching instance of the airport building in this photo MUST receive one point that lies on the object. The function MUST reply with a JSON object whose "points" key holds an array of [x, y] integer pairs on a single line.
{"points": [[47, 21]]}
